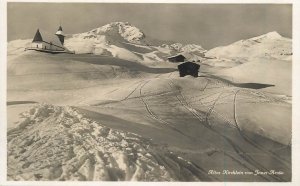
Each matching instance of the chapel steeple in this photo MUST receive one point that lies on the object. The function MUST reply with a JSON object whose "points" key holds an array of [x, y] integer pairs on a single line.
{"points": [[60, 35]]}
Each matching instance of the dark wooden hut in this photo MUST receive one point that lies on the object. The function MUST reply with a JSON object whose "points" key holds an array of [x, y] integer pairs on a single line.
{"points": [[188, 68], [177, 58]]}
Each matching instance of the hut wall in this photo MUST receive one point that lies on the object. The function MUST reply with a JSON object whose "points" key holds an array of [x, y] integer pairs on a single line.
{"points": [[188, 68], [46, 46], [37, 45]]}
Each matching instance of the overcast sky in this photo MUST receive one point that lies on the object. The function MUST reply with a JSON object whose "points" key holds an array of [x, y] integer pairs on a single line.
{"points": [[209, 25]]}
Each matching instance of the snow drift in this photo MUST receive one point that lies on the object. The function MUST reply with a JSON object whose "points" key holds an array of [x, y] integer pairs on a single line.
{"points": [[58, 143], [272, 72]]}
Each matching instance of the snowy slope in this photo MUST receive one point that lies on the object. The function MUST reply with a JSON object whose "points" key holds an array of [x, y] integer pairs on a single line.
{"points": [[192, 123], [270, 45], [109, 109], [67, 71], [17, 47], [265, 59], [271, 72]]}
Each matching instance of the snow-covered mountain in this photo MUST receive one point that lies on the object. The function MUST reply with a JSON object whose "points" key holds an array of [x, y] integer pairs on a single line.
{"points": [[270, 45], [125, 41]]}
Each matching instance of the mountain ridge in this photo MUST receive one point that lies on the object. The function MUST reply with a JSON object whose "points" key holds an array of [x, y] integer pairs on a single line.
{"points": [[126, 38]]}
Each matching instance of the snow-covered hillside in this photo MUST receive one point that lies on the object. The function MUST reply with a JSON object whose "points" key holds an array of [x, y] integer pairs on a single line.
{"points": [[276, 73], [265, 59], [270, 45], [17, 47]]}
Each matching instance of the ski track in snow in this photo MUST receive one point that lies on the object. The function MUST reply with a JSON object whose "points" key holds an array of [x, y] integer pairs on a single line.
{"points": [[258, 146], [156, 117], [236, 148], [36, 148]]}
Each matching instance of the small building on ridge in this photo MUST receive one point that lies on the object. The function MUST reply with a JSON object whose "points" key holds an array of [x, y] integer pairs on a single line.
{"points": [[48, 42], [183, 57], [177, 58]]}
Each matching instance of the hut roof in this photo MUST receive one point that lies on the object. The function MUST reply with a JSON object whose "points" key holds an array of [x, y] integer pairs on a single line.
{"points": [[184, 54], [195, 65]]}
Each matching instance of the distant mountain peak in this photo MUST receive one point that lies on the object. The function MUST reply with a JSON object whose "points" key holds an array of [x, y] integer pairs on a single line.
{"points": [[126, 30], [273, 34], [270, 35], [269, 45]]}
